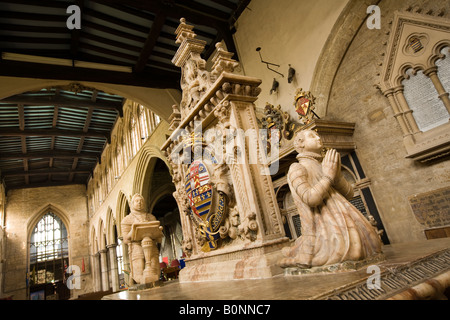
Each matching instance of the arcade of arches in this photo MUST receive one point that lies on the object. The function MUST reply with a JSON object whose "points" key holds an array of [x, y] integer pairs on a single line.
{"points": [[366, 85]]}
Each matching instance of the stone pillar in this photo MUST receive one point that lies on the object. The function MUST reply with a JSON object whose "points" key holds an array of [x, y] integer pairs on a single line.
{"points": [[104, 269], [443, 95], [406, 110], [97, 273], [114, 273]]}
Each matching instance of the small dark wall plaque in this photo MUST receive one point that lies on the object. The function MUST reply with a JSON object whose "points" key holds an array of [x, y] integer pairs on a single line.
{"points": [[432, 209], [359, 204], [297, 225]]}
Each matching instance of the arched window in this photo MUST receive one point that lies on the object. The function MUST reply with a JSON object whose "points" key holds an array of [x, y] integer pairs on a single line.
{"points": [[134, 132], [157, 119], [428, 109], [49, 250], [143, 122], [416, 81], [119, 160]]}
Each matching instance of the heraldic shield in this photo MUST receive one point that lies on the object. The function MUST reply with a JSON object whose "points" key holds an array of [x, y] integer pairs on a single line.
{"points": [[207, 205]]}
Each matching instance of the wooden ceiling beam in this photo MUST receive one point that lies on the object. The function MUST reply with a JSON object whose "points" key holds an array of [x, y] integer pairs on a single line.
{"points": [[23, 139], [125, 36], [51, 133], [40, 3], [113, 31], [201, 9], [81, 143], [63, 101], [176, 10], [75, 33], [33, 16], [34, 40], [116, 21], [226, 3], [108, 52], [12, 186], [109, 42], [43, 172], [151, 41], [48, 154], [242, 5], [54, 122], [32, 29], [44, 71]]}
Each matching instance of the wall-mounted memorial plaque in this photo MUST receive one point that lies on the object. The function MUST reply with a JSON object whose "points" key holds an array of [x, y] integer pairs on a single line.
{"points": [[432, 209], [428, 110]]}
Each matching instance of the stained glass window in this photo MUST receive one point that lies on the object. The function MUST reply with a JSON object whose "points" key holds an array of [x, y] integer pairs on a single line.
{"points": [[49, 250]]}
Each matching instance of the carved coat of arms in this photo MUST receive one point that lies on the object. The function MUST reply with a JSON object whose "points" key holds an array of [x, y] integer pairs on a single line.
{"points": [[304, 105], [208, 206]]}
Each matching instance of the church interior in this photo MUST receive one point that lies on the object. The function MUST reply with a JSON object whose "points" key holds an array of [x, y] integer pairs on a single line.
{"points": [[102, 100]]}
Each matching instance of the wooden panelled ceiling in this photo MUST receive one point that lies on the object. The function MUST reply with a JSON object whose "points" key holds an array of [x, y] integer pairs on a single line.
{"points": [[135, 34], [55, 136]]}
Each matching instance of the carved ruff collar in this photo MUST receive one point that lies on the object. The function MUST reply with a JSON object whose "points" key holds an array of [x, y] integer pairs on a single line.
{"points": [[310, 155], [140, 216]]}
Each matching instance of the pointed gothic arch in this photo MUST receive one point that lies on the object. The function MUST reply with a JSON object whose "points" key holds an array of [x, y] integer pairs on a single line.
{"points": [[144, 168], [37, 216], [122, 210], [110, 223]]}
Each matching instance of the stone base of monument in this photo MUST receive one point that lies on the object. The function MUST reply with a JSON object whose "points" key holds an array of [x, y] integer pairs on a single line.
{"points": [[256, 261], [337, 267], [145, 286]]}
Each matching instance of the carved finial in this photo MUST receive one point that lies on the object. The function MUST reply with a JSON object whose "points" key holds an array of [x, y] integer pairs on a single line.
{"points": [[222, 60], [186, 38], [219, 46], [184, 31]]}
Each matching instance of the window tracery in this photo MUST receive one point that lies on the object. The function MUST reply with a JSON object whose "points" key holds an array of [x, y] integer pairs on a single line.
{"points": [[416, 81]]}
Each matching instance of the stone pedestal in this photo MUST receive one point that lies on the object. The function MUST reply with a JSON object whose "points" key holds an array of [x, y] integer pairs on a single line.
{"points": [[151, 270], [149, 233]]}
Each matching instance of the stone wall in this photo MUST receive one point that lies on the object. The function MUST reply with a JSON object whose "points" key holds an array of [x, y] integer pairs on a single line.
{"points": [[289, 32], [23, 210], [378, 137]]}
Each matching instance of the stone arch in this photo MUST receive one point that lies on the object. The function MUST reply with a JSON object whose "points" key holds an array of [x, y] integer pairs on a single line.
{"points": [[39, 214], [35, 218], [144, 168], [101, 238], [94, 243], [110, 222], [347, 26], [160, 193], [121, 211]]}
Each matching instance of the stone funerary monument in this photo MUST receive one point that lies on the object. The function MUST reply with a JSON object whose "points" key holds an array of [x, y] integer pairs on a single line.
{"points": [[232, 226]]}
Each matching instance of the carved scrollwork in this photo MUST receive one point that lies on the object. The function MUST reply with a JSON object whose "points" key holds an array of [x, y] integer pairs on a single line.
{"points": [[222, 112], [249, 227]]}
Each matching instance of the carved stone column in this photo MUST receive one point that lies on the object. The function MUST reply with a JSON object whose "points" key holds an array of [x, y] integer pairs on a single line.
{"points": [[232, 227], [443, 95], [114, 267], [104, 270], [97, 272]]}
